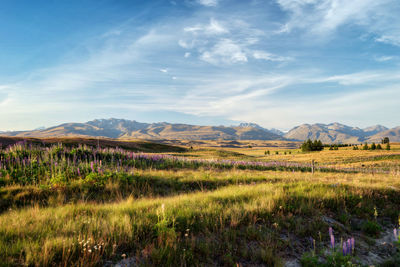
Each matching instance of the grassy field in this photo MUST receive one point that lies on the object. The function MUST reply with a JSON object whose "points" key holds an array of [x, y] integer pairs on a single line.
{"points": [[98, 205]]}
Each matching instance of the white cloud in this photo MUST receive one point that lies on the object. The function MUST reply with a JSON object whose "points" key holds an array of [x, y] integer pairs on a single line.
{"points": [[187, 55], [389, 39], [324, 17], [363, 78], [214, 27], [268, 56], [164, 70], [184, 44], [225, 51], [220, 44], [209, 3], [384, 58]]}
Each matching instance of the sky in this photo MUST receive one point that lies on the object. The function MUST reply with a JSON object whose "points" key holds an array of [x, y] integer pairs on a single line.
{"points": [[278, 63]]}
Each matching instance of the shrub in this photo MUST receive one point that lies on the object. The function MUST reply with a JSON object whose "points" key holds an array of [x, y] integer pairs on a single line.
{"points": [[58, 180], [371, 228], [96, 179]]}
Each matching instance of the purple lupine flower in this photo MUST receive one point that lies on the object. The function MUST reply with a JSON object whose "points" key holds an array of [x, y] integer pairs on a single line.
{"points": [[344, 249], [330, 231], [395, 233], [92, 166], [348, 246], [333, 241], [353, 242], [79, 172]]}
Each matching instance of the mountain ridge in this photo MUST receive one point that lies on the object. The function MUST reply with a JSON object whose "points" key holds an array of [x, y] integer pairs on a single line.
{"points": [[131, 129], [340, 133], [128, 129]]}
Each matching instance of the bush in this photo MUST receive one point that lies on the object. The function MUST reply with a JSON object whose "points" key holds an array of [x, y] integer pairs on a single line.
{"points": [[96, 179], [371, 228], [58, 180]]}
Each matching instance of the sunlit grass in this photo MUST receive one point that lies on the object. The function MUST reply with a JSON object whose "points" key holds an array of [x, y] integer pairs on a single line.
{"points": [[193, 216], [153, 224]]}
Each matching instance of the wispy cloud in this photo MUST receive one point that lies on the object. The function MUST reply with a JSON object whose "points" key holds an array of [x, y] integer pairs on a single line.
{"points": [[384, 58], [214, 27], [269, 57], [224, 51], [220, 44], [389, 39], [209, 3], [325, 17]]}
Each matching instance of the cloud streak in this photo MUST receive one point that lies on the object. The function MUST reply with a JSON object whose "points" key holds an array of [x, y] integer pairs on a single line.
{"points": [[325, 17], [208, 3]]}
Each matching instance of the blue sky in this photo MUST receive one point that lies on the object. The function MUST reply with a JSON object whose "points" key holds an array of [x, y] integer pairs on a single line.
{"points": [[278, 63]]}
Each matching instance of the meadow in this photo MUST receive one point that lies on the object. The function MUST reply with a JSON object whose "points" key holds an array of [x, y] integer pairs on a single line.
{"points": [[87, 203]]}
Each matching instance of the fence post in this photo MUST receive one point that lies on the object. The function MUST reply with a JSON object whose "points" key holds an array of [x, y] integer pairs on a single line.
{"points": [[312, 166]]}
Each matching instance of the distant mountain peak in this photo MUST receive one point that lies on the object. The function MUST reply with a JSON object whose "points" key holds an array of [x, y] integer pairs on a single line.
{"points": [[378, 127], [250, 124], [40, 128]]}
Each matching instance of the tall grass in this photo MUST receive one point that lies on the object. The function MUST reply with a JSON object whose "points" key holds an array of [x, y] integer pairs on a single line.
{"points": [[159, 230], [85, 206]]}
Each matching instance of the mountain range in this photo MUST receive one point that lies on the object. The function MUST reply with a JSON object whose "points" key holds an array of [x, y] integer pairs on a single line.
{"points": [[127, 129], [340, 133], [130, 129]]}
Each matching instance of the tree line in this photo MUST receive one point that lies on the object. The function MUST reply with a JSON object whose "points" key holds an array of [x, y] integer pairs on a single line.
{"points": [[317, 145]]}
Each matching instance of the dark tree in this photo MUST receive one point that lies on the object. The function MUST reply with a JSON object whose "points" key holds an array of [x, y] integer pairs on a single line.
{"points": [[373, 146], [312, 146]]}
